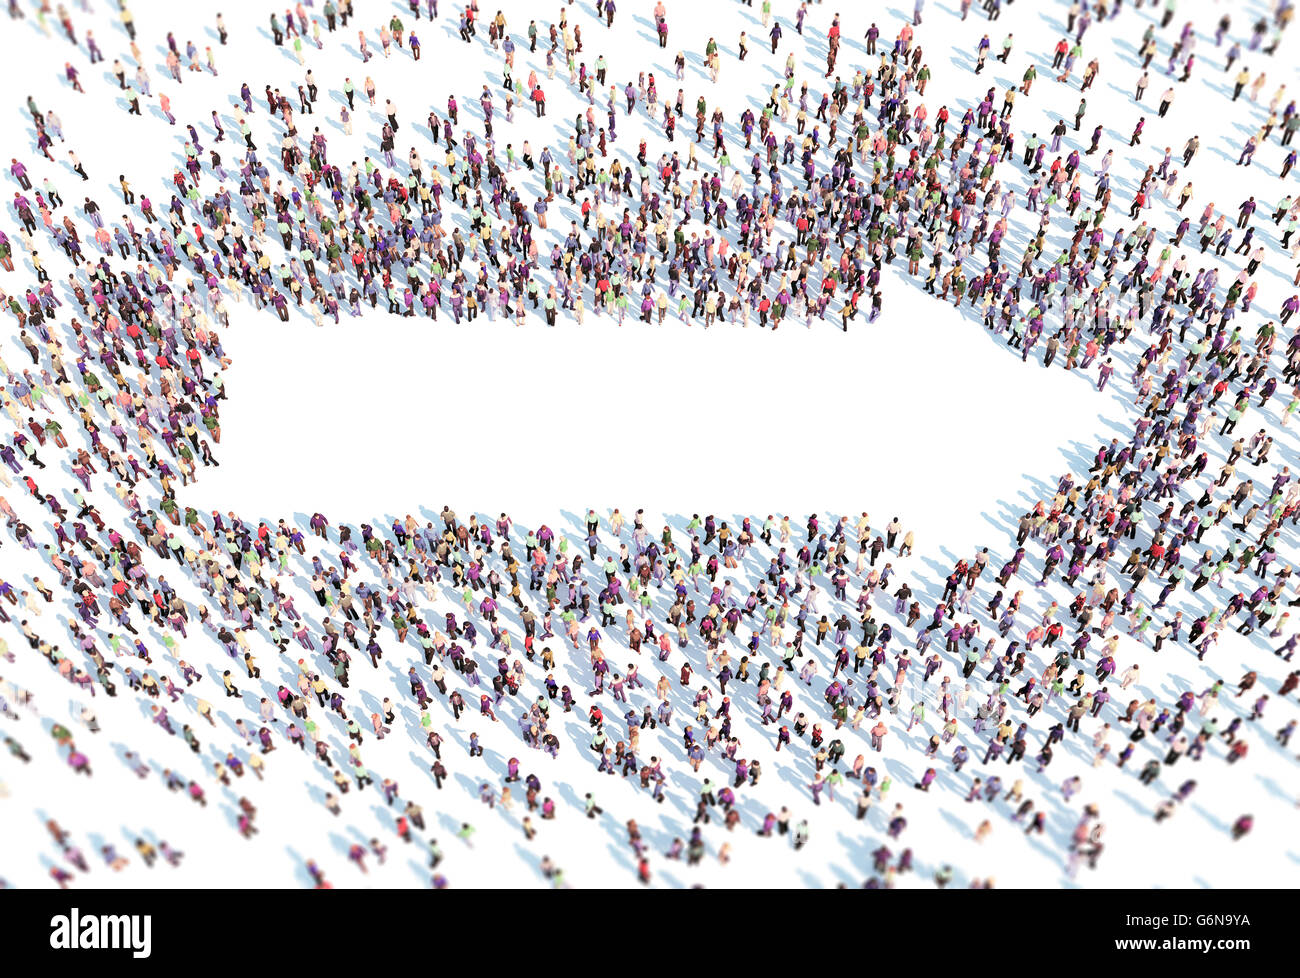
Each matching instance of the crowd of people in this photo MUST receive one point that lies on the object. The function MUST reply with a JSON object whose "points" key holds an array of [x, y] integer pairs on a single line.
{"points": [[1176, 537]]}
